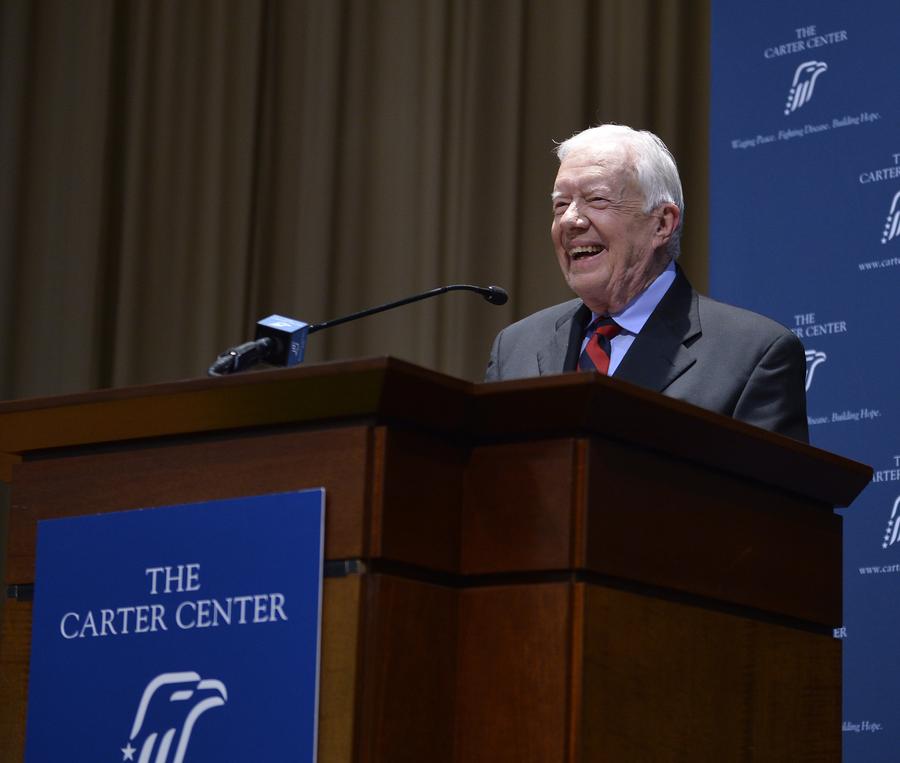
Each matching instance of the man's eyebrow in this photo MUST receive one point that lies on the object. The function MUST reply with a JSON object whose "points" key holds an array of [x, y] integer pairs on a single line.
{"points": [[555, 195]]}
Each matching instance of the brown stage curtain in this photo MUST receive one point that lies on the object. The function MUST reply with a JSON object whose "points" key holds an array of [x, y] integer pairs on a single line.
{"points": [[172, 170]]}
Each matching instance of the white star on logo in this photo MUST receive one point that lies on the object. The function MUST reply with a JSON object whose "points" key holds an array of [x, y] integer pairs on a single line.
{"points": [[128, 752]]}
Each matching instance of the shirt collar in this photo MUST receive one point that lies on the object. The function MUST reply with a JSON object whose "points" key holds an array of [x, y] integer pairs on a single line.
{"points": [[636, 313]]}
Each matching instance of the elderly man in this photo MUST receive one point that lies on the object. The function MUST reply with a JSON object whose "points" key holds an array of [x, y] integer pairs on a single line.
{"points": [[617, 212]]}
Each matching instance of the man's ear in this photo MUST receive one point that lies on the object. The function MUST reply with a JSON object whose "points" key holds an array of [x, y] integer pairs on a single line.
{"points": [[667, 217]]}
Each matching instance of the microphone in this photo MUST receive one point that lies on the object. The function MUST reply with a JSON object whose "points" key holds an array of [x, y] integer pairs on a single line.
{"points": [[281, 341]]}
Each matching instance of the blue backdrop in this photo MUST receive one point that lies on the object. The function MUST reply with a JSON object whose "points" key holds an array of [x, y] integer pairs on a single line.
{"points": [[805, 210]]}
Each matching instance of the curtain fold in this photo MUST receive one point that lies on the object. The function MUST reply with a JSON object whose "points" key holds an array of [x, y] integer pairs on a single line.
{"points": [[170, 171]]}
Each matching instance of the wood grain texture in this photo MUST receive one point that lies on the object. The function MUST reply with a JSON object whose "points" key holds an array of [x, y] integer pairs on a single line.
{"points": [[668, 682], [339, 669], [518, 507], [203, 470], [666, 522], [513, 689], [406, 694], [605, 406], [15, 653], [389, 391], [420, 503], [314, 393]]}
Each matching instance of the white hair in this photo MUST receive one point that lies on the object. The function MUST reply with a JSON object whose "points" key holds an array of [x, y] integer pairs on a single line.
{"points": [[652, 163]]}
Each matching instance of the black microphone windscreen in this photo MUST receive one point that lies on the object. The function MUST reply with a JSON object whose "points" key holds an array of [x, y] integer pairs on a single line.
{"points": [[496, 295]]}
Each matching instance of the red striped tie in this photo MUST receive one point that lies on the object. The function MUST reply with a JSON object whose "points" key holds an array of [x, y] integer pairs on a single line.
{"points": [[595, 356]]}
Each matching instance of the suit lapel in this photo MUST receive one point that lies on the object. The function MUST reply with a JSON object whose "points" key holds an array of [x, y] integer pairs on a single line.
{"points": [[555, 356], [661, 351]]}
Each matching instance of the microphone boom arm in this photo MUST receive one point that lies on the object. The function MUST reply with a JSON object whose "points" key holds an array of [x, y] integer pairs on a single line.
{"points": [[493, 294]]}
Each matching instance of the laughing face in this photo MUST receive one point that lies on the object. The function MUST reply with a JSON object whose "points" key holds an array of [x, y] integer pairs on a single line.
{"points": [[608, 247]]}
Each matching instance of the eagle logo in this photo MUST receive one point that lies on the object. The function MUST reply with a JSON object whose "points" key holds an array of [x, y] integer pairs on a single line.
{"points": [[165, 717], [893, 526], [801, 91], [813, 359], [892, 225]]}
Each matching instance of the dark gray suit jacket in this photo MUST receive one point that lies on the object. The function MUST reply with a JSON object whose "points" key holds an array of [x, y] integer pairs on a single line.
{"points": [[692, 348]]}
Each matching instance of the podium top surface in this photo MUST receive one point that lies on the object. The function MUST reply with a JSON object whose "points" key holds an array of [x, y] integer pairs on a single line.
{"points": [[390, 391]]}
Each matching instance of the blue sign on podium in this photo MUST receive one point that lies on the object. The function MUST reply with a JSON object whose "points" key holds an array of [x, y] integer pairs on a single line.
{"points": [[179, 634]]}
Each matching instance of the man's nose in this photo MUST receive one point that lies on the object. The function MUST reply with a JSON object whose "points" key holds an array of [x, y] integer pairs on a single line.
{"points": [[572, 217]]}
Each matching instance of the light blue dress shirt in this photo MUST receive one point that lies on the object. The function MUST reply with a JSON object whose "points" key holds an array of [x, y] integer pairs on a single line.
{"points": [[634, 315]]}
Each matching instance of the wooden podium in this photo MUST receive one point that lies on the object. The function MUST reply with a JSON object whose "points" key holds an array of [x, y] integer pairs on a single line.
{"points": [[567, 568]]}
